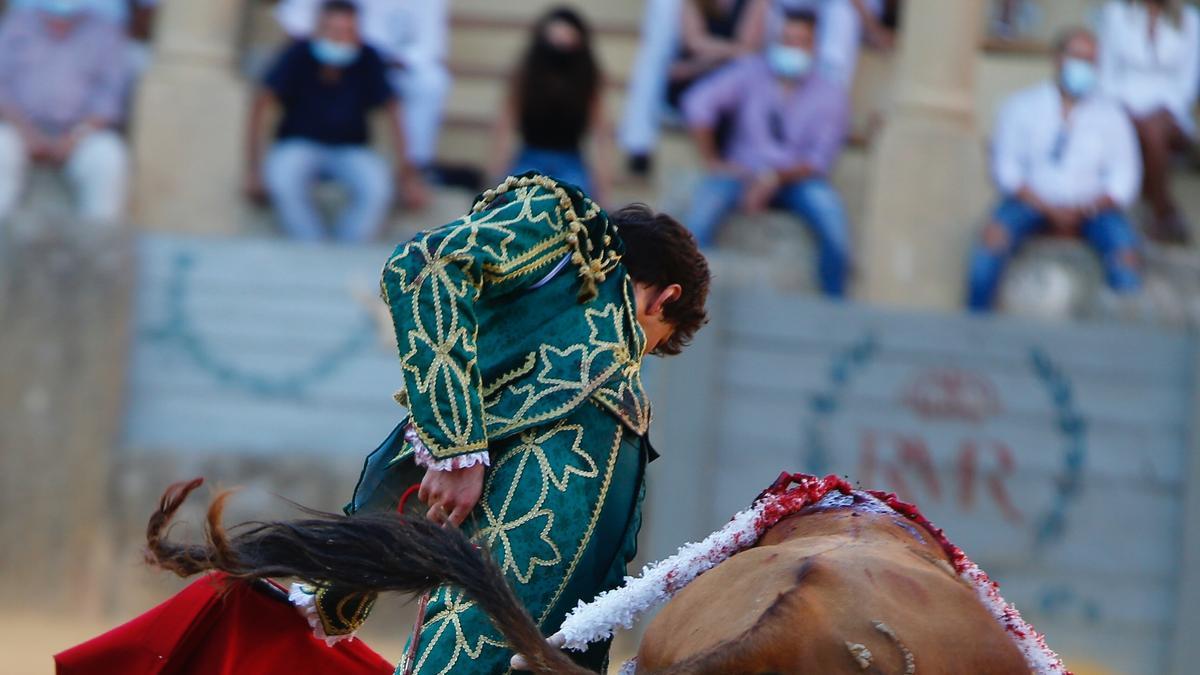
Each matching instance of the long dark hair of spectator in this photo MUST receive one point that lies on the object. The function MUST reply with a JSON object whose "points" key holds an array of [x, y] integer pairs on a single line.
{"points": [[568, 80]]}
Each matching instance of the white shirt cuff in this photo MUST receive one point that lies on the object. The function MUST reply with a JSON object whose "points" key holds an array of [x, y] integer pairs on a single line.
{"points": [[306, 604], [426, 459]]}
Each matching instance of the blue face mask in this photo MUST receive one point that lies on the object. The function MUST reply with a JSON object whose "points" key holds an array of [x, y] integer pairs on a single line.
{"points": [[1078, 77], [60, 8], [789, 62], [336, 54]]}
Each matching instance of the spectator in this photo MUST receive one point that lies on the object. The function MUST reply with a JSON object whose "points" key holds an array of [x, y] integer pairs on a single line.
{"points": [[555, 101], [1150, 63], [327, 88], [61, 94], [1065, 160], [790, 124], [410, 35], [844, 26], [683, 40]]}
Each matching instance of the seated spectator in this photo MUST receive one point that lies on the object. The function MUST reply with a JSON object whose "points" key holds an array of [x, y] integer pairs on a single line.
{"points": [[683, 40], [844, 25], [555, 101], [61, 94], [410, 35], [790, 124], [1065, 160], [327, 88], [1150, 63]]}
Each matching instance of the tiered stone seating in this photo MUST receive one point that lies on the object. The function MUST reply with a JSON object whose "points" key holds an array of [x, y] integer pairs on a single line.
{"points": [[487, 40]]}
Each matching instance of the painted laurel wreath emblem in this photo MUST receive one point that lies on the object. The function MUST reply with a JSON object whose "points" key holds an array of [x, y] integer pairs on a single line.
{"points": [[855, 358]]}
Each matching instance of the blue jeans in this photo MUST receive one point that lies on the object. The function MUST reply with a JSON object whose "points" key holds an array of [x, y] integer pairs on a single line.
{"points": [[565, 165], [293, 166], [1109, 232], [813, 200]]}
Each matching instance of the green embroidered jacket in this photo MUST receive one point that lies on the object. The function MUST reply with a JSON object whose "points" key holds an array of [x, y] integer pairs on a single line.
{"points": [[513, 316]]}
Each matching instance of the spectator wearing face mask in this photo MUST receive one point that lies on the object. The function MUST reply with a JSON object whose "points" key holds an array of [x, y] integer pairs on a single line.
{"points": [[411, 36], [555, 103], [844, 26], [327, 88], [789, 127], [1150, 63], [61, 95], [1065, 161]]}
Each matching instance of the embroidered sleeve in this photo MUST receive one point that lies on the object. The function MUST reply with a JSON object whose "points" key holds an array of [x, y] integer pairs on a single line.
{"points": [[513, 237], [424, 458]]}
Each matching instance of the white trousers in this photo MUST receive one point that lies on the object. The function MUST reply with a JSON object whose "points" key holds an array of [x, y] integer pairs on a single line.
{"points": [[423, 90], [647, 95], [97, 171]]}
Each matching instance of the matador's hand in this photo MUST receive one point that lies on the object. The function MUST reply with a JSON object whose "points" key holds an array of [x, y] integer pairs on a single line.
{"points": [[451, 495]]}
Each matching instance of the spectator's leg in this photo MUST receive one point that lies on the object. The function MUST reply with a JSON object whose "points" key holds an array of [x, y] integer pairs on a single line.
{"points": [[715, 198], [290, 171], [638, 131], [423, 92], [1011, 223], [366, 177], [839, 38], [14, 159], [565, 166], [820, 205], [1156, 134], [1113, 236], [98, 170]]}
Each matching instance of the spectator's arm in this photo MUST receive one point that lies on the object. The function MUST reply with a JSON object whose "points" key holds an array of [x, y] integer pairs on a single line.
{"points": [[1123, 171], [1188, 81], [827, 142], [263, 101], [107, 97], [1008, 169], [601, 132], [703, 104], [751, 33], [699, 43]]}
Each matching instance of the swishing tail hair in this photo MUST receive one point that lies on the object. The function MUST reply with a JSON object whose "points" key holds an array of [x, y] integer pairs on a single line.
{"points": [[364, 552]]}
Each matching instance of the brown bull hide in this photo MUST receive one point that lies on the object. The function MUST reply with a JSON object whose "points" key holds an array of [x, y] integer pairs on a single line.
{"points": [[840, 591]]}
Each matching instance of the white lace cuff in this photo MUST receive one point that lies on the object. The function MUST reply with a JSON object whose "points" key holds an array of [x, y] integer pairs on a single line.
{"points": [[306, 604], [426, 459]]}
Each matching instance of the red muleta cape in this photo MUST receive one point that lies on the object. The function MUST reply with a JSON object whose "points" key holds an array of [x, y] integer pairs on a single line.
{"points": [[218, 626]]}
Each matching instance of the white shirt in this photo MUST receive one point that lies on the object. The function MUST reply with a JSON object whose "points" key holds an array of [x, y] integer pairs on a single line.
{"points": [[1066, 162], [117, 10], [1146, 76], [411, 32], [839, 33]]}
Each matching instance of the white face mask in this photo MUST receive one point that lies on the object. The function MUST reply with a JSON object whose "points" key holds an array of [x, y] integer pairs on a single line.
{"points": [[335, 54], [1078, 77], [63, 8], [789, 62]]}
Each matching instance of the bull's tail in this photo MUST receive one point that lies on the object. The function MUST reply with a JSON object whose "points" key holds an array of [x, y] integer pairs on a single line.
{"points": [[364, 552]]}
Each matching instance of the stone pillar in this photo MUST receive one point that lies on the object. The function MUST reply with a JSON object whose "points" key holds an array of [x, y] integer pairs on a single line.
{"points": [[64, 332], [188, 121], [927, 183]]}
